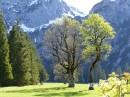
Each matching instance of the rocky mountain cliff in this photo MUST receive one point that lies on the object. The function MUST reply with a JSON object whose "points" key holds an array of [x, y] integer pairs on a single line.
{"points": [[36, 15], [117, 12]]}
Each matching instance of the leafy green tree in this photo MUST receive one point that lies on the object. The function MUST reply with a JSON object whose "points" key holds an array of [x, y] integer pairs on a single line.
{"points": [[97, 34], [5, 67], [61, 75]]}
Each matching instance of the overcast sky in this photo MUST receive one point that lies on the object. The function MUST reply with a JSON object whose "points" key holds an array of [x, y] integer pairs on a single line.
{"points": [[83, 5]]}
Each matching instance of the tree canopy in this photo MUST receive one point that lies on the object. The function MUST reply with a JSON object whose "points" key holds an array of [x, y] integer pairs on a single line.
{"points": [[97, 34]]}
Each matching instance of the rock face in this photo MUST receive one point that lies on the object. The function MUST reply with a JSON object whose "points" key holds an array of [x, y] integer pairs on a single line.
{"points": [[118, 14], [35, 15]]}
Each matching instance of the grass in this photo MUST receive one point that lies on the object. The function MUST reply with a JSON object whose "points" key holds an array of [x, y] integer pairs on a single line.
{"points": [[49, 90]]}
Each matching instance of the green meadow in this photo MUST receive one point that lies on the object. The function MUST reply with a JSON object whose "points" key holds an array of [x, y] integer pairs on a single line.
{"points": [[50, 90]]}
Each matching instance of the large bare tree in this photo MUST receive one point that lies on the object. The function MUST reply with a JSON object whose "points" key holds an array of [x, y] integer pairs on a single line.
{"points": [[63, 43]]}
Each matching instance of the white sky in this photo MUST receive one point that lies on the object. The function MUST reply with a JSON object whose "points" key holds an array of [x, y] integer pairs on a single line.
{"points": [[83, 5]]}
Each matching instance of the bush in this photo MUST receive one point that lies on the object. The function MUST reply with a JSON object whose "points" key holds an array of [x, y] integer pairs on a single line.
{"points": [[116, 85]]}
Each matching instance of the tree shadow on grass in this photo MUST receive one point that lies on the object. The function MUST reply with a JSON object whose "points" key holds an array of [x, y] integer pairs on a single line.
{"points": [[50, 92], [37, 90], [64, 94]]}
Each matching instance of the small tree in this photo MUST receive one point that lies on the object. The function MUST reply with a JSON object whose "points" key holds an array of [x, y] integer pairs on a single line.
{"points": [[43, 74], [97, 34], [63, 42], [61, 75]]}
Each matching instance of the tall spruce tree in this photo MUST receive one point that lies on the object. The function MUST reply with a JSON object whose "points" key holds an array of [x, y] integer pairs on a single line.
{"points": [[24, 57], [5, 66], [19, 56], [43, 74], [38, 72], [34, 66]]}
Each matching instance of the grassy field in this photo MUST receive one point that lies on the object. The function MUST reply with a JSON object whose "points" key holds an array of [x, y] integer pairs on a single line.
{"points": [[49, 90]]}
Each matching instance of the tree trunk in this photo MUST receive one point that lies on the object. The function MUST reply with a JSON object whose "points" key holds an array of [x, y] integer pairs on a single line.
{"points": [[71, 80], [91, 69], [91, 80]]}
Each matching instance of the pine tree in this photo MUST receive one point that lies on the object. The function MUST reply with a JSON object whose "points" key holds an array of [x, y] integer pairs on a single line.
{"points": [[43, 74], [38, 72], [24, 57], [5, 66], [19, 56]]}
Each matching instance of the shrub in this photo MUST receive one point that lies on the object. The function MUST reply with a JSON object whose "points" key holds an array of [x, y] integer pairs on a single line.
{"points": [[116, 85]]}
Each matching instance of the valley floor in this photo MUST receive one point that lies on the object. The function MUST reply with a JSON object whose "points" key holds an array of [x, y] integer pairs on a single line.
{"points": [[50, 90]]}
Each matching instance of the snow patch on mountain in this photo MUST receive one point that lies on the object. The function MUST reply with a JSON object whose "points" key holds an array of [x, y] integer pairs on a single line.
{"points": [[82, 5], [52, 21], [112, 0], [76, 12], [33, 2], [68, 14], [27, 29]]}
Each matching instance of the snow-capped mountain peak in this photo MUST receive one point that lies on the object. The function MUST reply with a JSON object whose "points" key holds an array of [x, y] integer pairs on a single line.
{"points": [[34, 13], [36, 16]]}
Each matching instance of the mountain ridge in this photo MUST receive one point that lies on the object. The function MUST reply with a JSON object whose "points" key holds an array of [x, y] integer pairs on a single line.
{"points": [[36, 13]]}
